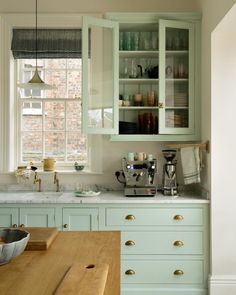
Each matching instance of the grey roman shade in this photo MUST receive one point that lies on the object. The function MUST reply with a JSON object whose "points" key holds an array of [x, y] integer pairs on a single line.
{"points": [[51, 43]]}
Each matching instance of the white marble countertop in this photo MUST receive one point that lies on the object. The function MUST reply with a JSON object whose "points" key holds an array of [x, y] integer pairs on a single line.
{"points": [[112, 197]]}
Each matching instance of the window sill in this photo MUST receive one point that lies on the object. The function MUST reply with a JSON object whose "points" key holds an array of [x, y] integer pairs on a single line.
{"points": [[61, 172]]}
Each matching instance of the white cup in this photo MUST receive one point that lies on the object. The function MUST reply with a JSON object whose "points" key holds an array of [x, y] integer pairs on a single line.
{"points": [[150, 157]]}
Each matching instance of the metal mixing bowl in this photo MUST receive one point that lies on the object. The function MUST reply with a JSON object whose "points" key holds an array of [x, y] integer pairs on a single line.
{"points": [[12, 243]]}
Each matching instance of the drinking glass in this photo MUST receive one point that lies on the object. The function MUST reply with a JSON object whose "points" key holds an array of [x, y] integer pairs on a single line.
{"points": [[127, 40]]}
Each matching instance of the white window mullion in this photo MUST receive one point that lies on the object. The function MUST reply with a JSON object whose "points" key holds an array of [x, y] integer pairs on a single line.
{"points": [[43, 129]]}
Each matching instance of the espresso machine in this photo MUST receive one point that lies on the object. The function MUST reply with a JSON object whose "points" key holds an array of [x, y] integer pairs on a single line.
{"points": [[169, 173], [139, 177]]}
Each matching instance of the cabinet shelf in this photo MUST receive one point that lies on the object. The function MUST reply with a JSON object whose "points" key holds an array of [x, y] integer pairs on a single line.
{"points": [[176, 80], [176, 52], [134, 81], [135, 108], [140, 53]]}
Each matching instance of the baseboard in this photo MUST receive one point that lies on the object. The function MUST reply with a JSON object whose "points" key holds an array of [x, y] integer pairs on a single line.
{"points": [[224, 284]]}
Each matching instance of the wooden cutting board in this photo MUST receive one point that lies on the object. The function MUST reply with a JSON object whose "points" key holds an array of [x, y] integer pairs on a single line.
{"points": [[40, 237], [84, 279]]}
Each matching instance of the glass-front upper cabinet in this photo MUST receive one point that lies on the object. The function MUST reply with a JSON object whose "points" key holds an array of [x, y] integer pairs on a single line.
{"points": [[176, 84], [100, 75]]}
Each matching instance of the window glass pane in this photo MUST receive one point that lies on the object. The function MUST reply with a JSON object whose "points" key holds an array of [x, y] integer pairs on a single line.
{"points": [[74, 84], [54, 116], [74, 64], [76, 147], [73, 115], [31, 146], [101, 78], [55, 145], [57, 78]]}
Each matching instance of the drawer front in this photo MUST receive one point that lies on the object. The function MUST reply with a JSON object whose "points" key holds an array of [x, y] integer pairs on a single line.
{"points": [[162, 243], [162, 291], [162, 272], [153, 216]]}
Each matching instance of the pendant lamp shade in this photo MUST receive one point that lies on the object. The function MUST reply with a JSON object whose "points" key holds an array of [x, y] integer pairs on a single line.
{"points": [[36, 82]]}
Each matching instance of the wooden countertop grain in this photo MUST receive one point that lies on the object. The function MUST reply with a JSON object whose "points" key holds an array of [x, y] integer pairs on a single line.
{"points": [[41, 272]]}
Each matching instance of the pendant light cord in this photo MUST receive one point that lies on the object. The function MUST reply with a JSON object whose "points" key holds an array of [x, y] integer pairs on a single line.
{"points": [[36, 34]]}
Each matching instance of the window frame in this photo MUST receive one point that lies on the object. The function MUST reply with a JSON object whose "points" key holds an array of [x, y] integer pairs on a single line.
{"points": [[9, 110]]}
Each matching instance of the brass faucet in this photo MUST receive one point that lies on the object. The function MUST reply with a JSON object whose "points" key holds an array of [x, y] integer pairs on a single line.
{"points": [[56, 181], [37, 180]]}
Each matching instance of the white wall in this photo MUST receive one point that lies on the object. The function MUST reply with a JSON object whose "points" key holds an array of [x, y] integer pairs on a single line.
{"points": [[218, 105], [75, 6]]}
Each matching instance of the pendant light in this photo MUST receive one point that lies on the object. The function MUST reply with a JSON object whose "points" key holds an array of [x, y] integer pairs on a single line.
{"points": [[36, 82]]}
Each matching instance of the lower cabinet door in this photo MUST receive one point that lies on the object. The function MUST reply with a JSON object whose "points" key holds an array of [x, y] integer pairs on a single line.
{"points": [[9, 217], [162, 272], [38, 217], [80, 219]]}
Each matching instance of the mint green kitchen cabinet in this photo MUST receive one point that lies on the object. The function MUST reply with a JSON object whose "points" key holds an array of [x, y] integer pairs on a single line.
{"points": [[81, 219], [164, 247], [37, 217], [163, 69], [9, 216], [27, 216]]}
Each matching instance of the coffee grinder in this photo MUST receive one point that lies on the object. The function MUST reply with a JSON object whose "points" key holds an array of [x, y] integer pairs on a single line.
{"points": [[169, 173]]}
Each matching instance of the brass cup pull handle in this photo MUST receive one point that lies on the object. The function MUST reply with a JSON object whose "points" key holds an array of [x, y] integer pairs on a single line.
{"points": [[178, 243], [178, 217], [130, 272], [129, 243], [22, 225], [130, 217], [178, 272], [14, 225], [65, 225]]}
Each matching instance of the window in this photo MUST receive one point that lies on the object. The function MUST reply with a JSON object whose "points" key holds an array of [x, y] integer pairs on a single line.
{"points": [[50, 120], [19, 109]]}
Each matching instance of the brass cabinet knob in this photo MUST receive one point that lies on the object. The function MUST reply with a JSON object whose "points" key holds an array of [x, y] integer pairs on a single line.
{"points": [[129, 243], [178, 243], [22, 225], [161, 105], [130, 272], [14, 225], [65, 225], [178, 272], [178, 217], [130, 217]]}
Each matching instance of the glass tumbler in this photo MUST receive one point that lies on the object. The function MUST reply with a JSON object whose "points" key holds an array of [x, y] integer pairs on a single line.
{"points": [[127, 40]]}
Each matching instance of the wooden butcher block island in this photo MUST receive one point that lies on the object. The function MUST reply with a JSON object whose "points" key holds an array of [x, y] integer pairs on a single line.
{"points": [[90, 260]]}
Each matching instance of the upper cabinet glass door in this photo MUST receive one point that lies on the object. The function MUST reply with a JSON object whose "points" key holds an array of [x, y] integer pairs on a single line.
{"points": [[100, 84], [176, 86]]}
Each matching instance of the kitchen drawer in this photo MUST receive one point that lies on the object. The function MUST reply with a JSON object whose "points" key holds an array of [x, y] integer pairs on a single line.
{"points": [[162, 242], [162, 291], [162, 271], [154, 216]]}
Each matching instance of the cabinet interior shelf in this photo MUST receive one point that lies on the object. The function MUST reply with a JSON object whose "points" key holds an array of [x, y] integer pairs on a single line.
{"points": [[176, 52], [135, 108], [176, 80], [140, 53], [147, 81]]}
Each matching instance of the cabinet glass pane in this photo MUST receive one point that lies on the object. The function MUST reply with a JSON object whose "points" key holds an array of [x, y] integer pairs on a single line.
{"points": [[177, 78], [101, 78]]}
